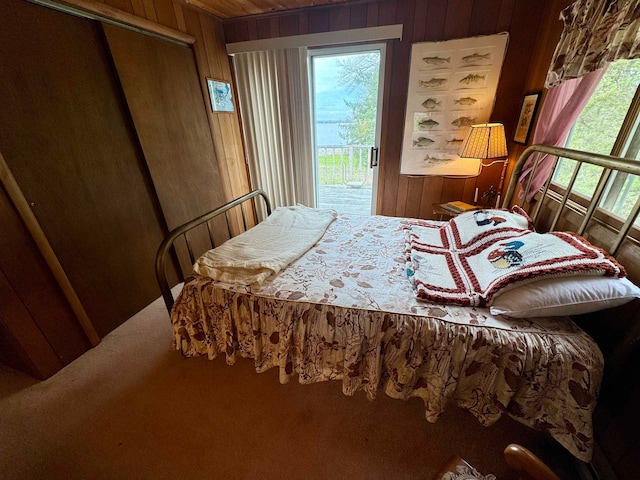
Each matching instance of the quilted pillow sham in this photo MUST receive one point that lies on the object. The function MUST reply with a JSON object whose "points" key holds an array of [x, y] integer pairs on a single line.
{"points": [[480, 225]]}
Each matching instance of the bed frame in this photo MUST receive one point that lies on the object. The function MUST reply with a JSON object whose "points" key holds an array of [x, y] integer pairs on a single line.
{"points": [[249, 207], [239, 206], [617, 332], [569, 199], [552, 209]]}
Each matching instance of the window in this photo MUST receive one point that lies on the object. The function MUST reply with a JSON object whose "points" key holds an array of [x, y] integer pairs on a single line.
{"points": [[609, 124]]}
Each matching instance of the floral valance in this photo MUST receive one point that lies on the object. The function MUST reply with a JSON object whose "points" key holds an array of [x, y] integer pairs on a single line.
{"points": [[595, 33]]}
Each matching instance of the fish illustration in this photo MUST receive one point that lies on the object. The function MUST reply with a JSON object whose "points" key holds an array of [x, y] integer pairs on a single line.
{"points": [[422, 142], [455, 141], [430, 103], [427, 124], [463, 121], [472, 78], [434, 82], [436, 60], [465, 101], [476, 57], [431, 161]]}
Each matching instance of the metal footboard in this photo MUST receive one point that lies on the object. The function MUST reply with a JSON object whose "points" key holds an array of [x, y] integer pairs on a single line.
{"points": [[609, 163], [164, 251]]}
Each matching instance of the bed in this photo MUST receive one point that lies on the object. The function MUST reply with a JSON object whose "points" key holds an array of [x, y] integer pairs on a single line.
{"points": [[345, 310]]}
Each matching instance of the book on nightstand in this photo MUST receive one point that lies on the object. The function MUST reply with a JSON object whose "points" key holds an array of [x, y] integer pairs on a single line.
{"points": [[459, 207]]}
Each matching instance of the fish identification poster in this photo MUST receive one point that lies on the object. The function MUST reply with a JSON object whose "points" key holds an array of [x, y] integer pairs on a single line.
{"points": [[452, 85]]}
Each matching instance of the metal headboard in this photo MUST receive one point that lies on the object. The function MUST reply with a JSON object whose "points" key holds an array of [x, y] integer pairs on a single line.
{"points": [[163, 254], [608, 162]]}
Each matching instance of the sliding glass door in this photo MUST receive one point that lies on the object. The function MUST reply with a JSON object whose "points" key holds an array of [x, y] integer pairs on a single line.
{"points": [[346, 94]]}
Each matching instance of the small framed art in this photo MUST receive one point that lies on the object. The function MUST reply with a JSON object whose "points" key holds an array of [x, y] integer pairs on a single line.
{"points": [[220, 95], [527, 114]]}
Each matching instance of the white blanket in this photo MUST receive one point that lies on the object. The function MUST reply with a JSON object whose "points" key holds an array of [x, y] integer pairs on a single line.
{"points": [[264, 250]]}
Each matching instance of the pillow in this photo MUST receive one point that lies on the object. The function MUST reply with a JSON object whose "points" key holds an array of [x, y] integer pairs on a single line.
{"points": [[562, 296], [473, 226]]}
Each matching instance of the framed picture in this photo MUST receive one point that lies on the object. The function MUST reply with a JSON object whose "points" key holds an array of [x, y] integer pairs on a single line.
{"points": [[220, 95], [527, 114]]}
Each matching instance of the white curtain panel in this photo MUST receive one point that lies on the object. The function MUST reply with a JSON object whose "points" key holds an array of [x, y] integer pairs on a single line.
{"points": [[273, 93]]}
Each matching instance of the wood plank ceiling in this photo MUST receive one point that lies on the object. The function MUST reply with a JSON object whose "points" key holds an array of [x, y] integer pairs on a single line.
{"points": [[240, 8]]}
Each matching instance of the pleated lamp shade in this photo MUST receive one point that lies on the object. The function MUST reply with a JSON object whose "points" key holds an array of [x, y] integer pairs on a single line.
{"points": [[486, 140]]}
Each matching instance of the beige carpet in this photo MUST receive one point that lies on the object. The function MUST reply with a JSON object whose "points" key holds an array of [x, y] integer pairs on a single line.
{"points": [[133, 408]]}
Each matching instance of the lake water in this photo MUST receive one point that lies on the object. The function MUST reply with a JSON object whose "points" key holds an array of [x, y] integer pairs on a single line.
{"points": [[327, 134]]}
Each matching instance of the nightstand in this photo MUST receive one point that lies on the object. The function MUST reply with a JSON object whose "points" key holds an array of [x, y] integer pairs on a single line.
{"points": [[442, 213]]}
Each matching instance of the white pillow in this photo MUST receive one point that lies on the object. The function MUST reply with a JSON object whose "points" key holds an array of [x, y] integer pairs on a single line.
{"points": [[561, 296]]}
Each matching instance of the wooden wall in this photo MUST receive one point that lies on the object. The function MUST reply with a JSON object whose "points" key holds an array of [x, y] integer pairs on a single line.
{"points": [[92, 176], [548, 34], [212, 61], [533, 28], [39, 333]]}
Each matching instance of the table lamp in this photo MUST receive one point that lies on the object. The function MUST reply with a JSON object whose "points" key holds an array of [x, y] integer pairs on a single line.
{"points": [[486, 141]]}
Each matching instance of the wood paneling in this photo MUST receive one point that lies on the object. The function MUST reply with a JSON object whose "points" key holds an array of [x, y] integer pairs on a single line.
{"points": [[160, 82], [68, 139], [433, 20], [140, 14], [38, 331], [22, 344], [66, 136], [484, 17], [546, 40], [30, 222], [240, 8], [212, 61], [29, 277]]}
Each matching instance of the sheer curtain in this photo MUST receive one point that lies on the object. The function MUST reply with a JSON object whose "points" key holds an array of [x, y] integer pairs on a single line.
{"points": [[273, 94], [561, 108]]}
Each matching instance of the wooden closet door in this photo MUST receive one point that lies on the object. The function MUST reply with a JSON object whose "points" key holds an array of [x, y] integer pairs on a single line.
{"points": [[160, 82], [38, 323], [66, 135]]}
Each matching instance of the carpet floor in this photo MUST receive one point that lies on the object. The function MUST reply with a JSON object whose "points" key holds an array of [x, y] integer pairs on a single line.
{"points": [[132, 408]]}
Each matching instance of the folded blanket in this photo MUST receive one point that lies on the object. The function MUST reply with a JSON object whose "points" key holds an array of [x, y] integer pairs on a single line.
{"points": [[479, 253], [264, 250]]}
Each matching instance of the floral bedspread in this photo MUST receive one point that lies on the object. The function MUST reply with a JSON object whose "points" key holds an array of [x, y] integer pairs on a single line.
{"points": [[345, 311]]}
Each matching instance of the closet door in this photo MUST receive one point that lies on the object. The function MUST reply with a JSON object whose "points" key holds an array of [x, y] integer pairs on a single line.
{"points": [[39, 333], [66, 136], [160, 82]]}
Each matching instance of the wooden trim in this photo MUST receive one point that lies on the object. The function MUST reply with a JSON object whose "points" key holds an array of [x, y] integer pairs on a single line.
{"points": [[628, 125], [369, 34], [203, 6], [102, 12], [26, 214], [177, 8]]}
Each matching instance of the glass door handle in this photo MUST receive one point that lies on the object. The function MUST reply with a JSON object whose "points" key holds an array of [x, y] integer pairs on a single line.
{"points": [[373, 157]]}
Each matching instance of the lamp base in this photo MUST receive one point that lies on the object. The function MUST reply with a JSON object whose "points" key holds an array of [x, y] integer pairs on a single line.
{"points": [[488, 198]]}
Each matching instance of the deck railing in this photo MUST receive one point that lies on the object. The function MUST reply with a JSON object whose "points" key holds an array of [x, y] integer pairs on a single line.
{"points": [[344, 165]]}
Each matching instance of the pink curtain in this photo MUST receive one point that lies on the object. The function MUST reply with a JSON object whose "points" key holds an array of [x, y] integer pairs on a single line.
{"points": [[559, 112]]}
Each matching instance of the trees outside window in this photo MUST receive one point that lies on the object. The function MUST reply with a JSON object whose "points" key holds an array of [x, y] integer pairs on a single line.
{"points": [[359, 75]]}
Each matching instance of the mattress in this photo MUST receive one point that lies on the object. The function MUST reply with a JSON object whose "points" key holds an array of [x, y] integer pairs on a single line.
{"points": [[346, 311]]}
